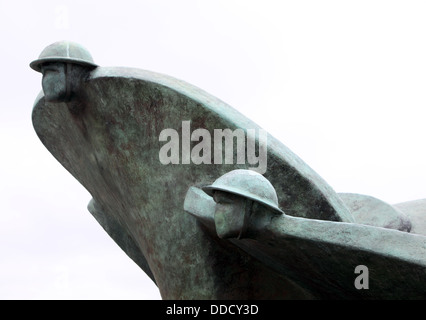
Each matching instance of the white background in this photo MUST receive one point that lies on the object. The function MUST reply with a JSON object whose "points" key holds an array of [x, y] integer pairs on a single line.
{"points": [[341, 83]]}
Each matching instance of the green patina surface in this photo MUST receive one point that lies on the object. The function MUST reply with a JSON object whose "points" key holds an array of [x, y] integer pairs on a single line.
{"points": [[110, 144]]}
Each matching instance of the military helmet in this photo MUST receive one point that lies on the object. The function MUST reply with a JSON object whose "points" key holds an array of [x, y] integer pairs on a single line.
{"points": [[248, 184], [64, 51]]}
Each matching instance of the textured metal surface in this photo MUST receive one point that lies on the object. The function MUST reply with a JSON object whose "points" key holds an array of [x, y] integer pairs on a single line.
{"points": [[106, 134], [321, 256], [112, 147]]}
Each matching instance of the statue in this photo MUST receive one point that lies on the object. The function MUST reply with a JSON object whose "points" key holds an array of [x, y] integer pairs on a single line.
{"points": [[172, 173]]}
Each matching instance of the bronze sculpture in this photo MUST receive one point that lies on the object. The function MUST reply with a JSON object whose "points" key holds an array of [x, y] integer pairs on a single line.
{"points": [[103, 125]]}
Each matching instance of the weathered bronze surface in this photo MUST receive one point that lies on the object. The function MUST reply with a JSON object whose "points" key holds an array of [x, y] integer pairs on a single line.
{"points": [[103, 125]]}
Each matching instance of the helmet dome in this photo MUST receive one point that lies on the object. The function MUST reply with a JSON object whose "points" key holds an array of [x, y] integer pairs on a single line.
{"points": [[64, 51], [248, 184]]}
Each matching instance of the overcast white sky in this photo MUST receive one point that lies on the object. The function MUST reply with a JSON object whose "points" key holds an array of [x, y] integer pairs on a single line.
{"points": [[341, 83]]}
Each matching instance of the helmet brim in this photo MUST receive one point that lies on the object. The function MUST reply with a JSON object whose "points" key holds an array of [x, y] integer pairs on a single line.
{"points": [[36, 64], [211, 189]]}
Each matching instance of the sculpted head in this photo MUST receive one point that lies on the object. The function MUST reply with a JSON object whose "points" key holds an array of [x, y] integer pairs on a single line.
{"points": [[61, 81], [64, 65], [54, 81], [231, 211], [238, 194]]}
